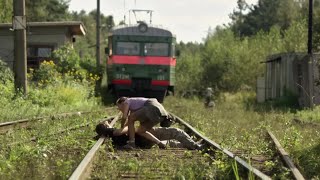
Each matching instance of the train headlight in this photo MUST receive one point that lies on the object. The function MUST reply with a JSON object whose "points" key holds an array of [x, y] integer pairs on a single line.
{"points": [[143, 27]]}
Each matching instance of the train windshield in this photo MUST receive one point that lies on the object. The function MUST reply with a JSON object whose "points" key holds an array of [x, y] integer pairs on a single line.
{"points": [[128, 48], [156, 49]]}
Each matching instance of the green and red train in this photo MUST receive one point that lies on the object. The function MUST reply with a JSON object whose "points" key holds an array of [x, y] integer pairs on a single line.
{"points": [[141, 61]]}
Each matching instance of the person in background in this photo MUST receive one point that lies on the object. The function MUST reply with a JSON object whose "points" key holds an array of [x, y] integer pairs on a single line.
{"points": [[146, 110], [208, 97], [172, 137]]}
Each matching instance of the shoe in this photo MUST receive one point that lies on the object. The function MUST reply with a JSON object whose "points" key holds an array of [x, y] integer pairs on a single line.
{"points": [[200, 147], [162, 146], [129, 146]]}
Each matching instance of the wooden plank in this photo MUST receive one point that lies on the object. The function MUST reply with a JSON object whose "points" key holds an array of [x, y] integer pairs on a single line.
{"points": [[285, 156], [230, 154]]}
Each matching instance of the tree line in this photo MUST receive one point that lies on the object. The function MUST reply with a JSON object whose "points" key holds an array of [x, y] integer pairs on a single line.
{"points": [[230, 56]]}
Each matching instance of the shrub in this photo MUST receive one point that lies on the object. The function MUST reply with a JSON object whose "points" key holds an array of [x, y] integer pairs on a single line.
{"points": [[47, 73], [66, 59], [6, 81]]}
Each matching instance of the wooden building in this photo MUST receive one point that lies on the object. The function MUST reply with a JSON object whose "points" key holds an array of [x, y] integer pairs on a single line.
{"points": [[291, 75], [42, 39]]}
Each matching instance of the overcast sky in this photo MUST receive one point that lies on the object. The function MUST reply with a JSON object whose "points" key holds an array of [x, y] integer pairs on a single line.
{"points": [[188, 19]]}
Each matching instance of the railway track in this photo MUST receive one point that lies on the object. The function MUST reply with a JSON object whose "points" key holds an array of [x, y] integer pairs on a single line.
{"points": [[22, 123], [36, 138], [285, 157], [169, 163], [143, 164]]}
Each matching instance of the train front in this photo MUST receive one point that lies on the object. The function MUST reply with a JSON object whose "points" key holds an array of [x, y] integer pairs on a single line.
{"points": [[141, 61]]}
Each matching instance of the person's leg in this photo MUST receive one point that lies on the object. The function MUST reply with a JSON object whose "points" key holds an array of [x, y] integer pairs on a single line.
{"points": [[176, 134], [139, 114], [131, 129], [142, 131], [174, 144]]}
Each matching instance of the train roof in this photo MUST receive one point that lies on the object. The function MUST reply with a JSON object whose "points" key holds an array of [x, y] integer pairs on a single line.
{"points": [[152, 30]]}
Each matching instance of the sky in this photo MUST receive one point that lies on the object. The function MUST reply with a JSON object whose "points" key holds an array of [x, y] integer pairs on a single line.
{"points": [[189, 20]]}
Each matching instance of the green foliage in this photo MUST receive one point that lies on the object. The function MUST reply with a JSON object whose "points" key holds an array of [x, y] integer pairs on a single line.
{"points": [[47, 10], [264, 15], [46, 74], [295, 37], [53, 156], [230, 63], [309, 115], [188, 63], [6, 83], [6, 11], [85, 46], [244, 132], [309, 159], [53, 87], [66, 59], [6, 75]]}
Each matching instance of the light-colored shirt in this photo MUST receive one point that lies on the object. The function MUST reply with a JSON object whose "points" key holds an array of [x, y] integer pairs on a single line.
{"points": [[135, 103]]}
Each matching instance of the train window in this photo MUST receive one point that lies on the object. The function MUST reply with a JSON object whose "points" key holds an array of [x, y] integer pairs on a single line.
{"points": [[156, 49], [128, 48]]}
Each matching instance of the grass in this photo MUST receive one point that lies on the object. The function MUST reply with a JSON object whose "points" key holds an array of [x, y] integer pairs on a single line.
{"points": [[52, 156], [236, 124]]}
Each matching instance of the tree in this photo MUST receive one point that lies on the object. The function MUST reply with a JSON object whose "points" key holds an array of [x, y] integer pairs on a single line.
{"points": [[47, 10], [264, 15], [237, 16], [6, 11], [85, 45]]}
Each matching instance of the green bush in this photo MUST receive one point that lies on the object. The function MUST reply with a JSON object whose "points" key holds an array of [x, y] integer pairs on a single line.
{"points": [[46, 74], [6, 81], [66, 59]]}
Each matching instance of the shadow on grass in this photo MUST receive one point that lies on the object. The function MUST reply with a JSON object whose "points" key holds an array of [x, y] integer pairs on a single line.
{"points": [[283, 104]]}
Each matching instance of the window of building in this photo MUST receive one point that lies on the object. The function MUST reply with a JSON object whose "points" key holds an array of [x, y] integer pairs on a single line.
{"points": [[37, 54]]}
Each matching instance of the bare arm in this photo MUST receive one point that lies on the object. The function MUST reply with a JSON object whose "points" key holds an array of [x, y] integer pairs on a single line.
{"points": [[125, 112]]}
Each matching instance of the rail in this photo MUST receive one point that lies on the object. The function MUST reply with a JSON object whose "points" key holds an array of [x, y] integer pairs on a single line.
{"points": [[218, 147], [285, 156], [83, 170]]}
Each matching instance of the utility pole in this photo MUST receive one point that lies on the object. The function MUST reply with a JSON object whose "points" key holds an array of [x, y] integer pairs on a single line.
{"points": [[98, 34], [20, 53], [310, 53], [310, 27]]}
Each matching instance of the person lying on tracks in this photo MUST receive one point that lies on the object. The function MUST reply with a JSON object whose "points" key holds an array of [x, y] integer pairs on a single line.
{"points": [[146, 110], [172, 137]]}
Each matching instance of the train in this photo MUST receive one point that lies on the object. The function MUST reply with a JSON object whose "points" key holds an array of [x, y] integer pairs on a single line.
{"points": [[141, 61]]}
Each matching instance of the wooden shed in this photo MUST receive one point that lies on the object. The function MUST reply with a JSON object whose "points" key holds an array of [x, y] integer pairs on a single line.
{"points": [[42, 39], [290, 74]]}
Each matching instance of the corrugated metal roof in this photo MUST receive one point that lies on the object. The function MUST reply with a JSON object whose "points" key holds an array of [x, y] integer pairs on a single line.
{"points": [[76, 27]]}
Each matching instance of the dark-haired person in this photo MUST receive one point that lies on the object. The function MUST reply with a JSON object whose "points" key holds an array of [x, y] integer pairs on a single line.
{"points": [[173, 137], [146, 110]]}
